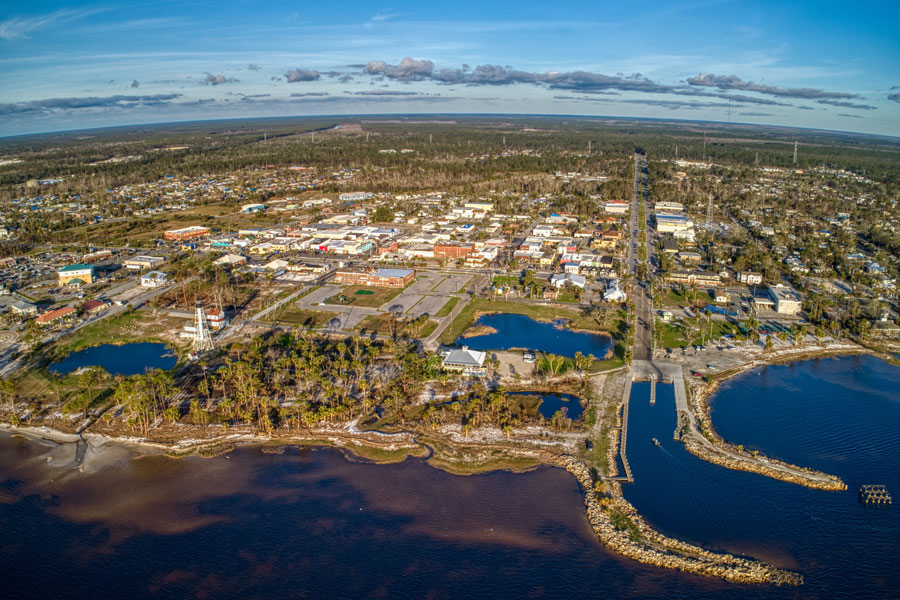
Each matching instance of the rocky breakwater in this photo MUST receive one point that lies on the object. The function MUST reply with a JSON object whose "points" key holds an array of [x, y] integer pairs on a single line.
{"points": [[709, 446], [618, 525], [733, 458]]}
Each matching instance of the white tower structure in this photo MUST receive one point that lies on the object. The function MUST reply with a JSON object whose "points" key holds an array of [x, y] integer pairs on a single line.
{"points": [[202, 338]]}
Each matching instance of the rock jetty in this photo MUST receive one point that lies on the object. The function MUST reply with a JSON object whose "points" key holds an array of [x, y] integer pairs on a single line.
{"points": [[709, 446], [640, 542]]}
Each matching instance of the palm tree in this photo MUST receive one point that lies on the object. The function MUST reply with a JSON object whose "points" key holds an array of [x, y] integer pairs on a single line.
{"points": [[8, 391]]}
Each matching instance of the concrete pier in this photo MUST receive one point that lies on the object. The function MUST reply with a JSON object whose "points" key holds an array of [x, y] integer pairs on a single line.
{"points": [[626, 398]]}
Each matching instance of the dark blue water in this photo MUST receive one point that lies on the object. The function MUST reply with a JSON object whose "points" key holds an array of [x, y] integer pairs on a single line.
{"points": [[311, 524], [128, 359], [519, 331], [838, 415]]}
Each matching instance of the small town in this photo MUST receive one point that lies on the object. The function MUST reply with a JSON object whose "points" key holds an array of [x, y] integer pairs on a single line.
{"points": [[489, 301]]}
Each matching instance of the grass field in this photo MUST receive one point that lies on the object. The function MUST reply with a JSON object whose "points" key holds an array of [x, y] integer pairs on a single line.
{"points": [[671, 335], [136, 326], [447, 308], [510, 280], [381, 324], [379, 296], [299, 316]]}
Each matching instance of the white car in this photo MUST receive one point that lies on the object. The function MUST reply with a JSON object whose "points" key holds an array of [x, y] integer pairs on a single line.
{"points": [[528, 357]]}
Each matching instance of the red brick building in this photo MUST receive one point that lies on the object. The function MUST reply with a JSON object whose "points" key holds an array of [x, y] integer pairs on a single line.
{"points": [[454, 250], [186, 233], [395, 278]]}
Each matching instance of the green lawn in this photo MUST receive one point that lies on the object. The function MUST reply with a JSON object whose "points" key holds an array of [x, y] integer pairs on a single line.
{"points": [[299, 316], [510, 280], [673, 338], [120, 329], [381, 324], [447, 308], [379, 296]]}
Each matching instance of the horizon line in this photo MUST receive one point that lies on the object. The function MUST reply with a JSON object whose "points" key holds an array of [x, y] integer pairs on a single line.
{"points": [[887, 137]]}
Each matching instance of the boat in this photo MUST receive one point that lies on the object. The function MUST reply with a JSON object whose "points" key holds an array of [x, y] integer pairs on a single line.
{"points": [[656, 442]]}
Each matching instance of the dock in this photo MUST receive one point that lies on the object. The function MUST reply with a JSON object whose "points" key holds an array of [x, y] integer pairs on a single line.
{"points": [[875, 494], [652, 390]]}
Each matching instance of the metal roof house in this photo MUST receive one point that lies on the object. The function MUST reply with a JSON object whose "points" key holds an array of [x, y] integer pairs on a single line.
{"points": [[463, 360]]}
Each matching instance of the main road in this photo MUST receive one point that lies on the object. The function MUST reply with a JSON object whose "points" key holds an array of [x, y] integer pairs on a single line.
{"points": [[643, 303]]}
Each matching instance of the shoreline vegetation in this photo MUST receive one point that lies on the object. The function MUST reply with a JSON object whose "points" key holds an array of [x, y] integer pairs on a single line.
{"points": [[463, 451]]}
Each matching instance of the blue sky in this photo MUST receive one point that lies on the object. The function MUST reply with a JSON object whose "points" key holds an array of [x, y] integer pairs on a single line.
{"points": [[829, 65]]}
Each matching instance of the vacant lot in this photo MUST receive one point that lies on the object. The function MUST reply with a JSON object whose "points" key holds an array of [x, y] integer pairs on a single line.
{"points": [[299, 316]]}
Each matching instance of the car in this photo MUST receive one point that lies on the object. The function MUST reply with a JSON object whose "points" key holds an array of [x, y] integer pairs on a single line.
{"points": [[528, 357]]}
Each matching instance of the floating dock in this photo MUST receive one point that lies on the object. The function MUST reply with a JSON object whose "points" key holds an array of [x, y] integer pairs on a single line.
{"points": [[875, 494]]}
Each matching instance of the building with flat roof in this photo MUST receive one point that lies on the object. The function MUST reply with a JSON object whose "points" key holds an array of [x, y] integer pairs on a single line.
{"points": [[77, 274], [616, 207], [453, 250], [666, 223], [787, 301], [703, 278], [139, 263], [395, 278], [186, 233]]}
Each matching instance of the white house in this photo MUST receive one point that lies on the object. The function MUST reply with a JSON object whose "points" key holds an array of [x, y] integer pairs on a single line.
{"points": [[558, 280], [463, 360], [613, 293]]}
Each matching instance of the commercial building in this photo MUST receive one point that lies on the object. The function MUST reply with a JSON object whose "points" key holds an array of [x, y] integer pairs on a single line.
{"points": [[186, 233], [453, 250], [53, 316], [77, 274], [616, 207], [395, 278], [787, 301], [668, 207], [701, 278], [139, 263], [670, 223], [230, 260]]}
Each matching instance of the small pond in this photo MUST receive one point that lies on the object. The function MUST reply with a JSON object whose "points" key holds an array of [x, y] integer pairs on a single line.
{"points": [[519, 331], [128, 359], [550, 403]]}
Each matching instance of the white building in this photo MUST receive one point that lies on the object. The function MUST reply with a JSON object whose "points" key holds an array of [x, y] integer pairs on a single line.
{"points": [[154, 279], [787, 301]]}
